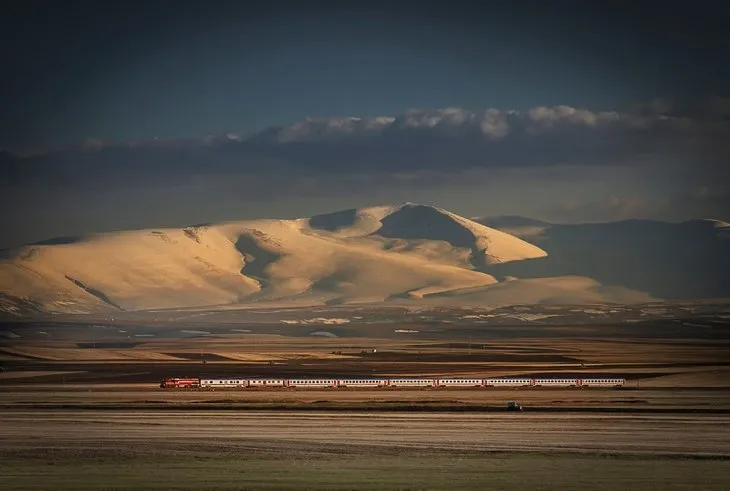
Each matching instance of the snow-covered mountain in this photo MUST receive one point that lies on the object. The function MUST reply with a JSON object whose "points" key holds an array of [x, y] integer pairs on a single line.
{"points": [[366, 255], [403, 253]]}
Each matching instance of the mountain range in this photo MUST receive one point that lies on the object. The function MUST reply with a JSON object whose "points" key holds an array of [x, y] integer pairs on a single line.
{"points": [[407, 253]]}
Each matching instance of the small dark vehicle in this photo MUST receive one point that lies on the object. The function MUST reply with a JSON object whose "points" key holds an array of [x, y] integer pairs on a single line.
{"points": [[513, 406]]}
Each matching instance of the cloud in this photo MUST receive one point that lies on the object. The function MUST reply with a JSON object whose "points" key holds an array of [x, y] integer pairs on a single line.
{"points": [[562, 163], [449, 140]]}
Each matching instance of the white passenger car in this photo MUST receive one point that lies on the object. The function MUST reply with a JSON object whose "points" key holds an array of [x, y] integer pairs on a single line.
{"points": [[312, 383], [602, 382], [223, 383], [412, 382], [266, 382], [460, 382], [355, 382], [507, 382], [556, 382]]}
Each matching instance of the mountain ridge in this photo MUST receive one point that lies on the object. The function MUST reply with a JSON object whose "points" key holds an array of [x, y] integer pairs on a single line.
{"points": [[407, 252]]}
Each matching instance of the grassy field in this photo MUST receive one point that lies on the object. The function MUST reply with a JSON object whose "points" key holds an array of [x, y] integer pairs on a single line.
{"points": [[279, 450], [368, 470]]}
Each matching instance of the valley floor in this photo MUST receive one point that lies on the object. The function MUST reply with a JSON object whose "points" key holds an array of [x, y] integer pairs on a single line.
{"points": [[79, 413]]}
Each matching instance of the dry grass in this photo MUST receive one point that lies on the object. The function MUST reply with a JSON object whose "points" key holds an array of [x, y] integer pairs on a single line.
{"points": [[138, 396], [31, 374], [79, 354]]}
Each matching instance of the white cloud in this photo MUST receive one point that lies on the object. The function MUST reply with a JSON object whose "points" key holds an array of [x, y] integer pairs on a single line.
{"points": [[322, 129], [494, 124]]}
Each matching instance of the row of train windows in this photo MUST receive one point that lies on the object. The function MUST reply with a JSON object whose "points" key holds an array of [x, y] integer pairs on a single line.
{"points": [[476, 381], [266, 381], [240, 381], [574, 380]]}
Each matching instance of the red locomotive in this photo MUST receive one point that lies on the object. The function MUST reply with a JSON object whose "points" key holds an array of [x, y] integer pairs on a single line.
{"points": [[180, 383]]}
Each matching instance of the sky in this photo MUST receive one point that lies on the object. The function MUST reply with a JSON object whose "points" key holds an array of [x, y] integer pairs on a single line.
{"points": [[566, 112]]}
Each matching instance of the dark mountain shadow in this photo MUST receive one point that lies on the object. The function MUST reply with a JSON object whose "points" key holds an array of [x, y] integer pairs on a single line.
{"points": [[28, 251], [94, 292], [424, 222], [256, 257], [334, 221], [59, 241], [23, 251], [672, 261]]}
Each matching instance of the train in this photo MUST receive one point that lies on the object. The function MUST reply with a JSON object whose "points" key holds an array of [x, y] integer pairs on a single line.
{"points": [[383, 382]]}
